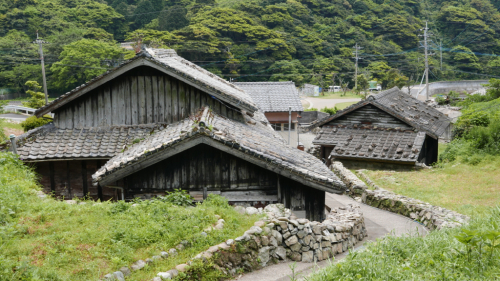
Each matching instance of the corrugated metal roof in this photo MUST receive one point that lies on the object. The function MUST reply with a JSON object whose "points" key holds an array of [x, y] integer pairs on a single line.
{"points": [[273, 96]]}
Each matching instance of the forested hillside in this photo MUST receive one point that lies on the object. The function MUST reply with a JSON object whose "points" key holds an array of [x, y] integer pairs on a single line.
{"points": [[252, 40]]}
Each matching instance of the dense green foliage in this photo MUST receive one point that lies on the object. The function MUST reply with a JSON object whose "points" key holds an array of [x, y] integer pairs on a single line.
{"points": [[470, 253], [37, 99], [33, 122], [52, 240], [477, 131], [251, 40]]}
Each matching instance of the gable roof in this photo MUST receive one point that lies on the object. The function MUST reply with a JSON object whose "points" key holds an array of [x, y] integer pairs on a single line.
{"points": [[168, 62], [256, 144], [52, 143], [374, 143], [273, 96], [404, 107]]}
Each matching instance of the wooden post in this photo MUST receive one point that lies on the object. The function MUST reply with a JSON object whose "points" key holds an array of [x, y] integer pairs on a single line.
{"points": [[68, 180], [205, 193], [52, 177], [84, 178]]}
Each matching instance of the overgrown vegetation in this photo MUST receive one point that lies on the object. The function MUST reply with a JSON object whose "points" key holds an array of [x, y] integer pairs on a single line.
{"points": [[52, 240], [469, 253], [33, 122], [477, 131], [303, 41], [329, 110]]}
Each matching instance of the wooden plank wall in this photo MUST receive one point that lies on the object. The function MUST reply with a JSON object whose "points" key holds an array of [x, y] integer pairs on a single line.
{"points": [[369, 115], [199, 167], [298, 197], [142, 96], [70, 179]]}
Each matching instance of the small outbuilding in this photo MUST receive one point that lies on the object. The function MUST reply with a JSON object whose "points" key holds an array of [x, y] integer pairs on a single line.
{"points": [[388, 129], [280, 102]]}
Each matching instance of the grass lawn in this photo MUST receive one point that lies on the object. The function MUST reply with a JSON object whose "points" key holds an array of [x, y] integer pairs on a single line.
{"points": [[343, 105], [339, 95], [52, 240], [11, 127], [465, 188]]}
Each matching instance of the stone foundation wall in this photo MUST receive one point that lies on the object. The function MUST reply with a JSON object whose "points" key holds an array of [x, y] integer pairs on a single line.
{"points": [[432, 217], [282, 236]]}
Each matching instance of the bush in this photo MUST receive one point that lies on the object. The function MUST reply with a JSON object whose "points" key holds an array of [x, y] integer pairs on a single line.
{"points": [[440, 100], [330, 110], [33, 122], [311, 109], [178, 197], [3, 138]]}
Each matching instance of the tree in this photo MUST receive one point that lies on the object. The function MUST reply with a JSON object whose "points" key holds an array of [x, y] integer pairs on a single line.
{"points": [[172, 18], [37, 99], [493, 89], [82, 60], [393, 78], [144, 14], [362, 84]]}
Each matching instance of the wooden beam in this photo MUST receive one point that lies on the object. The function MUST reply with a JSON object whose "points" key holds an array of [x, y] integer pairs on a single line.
{"points": [[84, 178], [52, 177]]}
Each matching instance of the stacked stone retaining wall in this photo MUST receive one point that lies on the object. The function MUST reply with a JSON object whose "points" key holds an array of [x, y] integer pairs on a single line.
{"points": [[281, 236], [432, 217]]}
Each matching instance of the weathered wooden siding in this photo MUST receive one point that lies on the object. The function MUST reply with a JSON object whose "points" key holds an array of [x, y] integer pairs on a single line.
{"points": [[70, 179], [369, 115], [302, 199], [140, 96], [205, 167]]}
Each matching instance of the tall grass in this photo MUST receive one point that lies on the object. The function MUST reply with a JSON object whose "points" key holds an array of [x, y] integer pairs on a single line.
{"points": [[453, 254], [52, 240]]}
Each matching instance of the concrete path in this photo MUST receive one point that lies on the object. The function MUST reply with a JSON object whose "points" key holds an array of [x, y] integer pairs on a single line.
{"points": [[14, 117], [378, 223], [320, 103]]}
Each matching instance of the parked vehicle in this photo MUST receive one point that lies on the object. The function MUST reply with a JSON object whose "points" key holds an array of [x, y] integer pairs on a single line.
{"points": [[373, 86], [334, 89]]}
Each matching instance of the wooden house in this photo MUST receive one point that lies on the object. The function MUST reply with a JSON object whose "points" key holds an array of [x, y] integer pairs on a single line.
{"points": [[159, 122], [276, 100], [387, 128]]}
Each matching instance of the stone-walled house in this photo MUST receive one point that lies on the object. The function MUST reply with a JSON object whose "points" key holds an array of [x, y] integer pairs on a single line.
{"points": [[390, 129], [275, 99], [159, 122]]}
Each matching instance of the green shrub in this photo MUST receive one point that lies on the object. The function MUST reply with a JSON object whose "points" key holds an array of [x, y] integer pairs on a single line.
{"points": [[3, 138], [440, 100], [311, 109], [330, 110], [33, 122], [178, 197]]}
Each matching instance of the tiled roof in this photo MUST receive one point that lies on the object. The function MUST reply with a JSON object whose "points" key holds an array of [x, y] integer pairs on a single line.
{"points": [[258, 143], [273, 96], [174, 65], [49, 142], [404, 107], [365, 142]]}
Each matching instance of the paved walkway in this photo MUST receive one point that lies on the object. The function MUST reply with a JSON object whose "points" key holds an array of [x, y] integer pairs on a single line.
{"points": [[14, 117], [320, 103], [378, 223]]}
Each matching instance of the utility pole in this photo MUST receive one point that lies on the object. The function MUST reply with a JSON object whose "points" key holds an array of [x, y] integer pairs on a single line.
{"points": [[426, 35], [40, 41], [356, 49], [441, 53]]}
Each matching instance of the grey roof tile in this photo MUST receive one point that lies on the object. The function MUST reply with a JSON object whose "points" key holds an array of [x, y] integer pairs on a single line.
{"points": [[176, 65], [368, 142], [273, 96], [49, 142], [400, 105], [255, 140]]}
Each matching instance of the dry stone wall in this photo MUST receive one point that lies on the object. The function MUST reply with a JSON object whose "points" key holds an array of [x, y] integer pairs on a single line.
{"points": [[282, 236], [432, 217]]}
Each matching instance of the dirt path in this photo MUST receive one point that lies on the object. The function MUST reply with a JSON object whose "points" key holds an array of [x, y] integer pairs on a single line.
{"points": [[378, 223]]}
